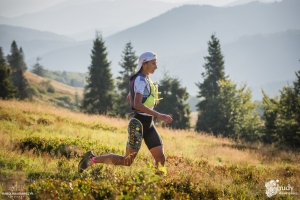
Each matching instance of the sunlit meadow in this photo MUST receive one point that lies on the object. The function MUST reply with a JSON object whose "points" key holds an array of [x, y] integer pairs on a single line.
{"points": [[41, 146]]}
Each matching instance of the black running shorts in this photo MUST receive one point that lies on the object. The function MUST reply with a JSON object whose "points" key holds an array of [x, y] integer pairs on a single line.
{"points": [[150, 135]]}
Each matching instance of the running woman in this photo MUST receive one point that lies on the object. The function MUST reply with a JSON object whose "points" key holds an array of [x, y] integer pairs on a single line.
{"points": [[143, 97]]}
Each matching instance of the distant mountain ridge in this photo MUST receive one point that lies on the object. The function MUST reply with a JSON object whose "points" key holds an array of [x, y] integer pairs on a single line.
{"points": [[108, 16], [258, 60], [242, 2], [260, 43], [183, 44], [35, 43], [77, 16], [13, 8], [188, 34], [26, 34]]}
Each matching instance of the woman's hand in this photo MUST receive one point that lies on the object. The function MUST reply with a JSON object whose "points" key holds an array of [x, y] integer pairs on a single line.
{"points": [[139, 106], [128, 98], [166, 118]]}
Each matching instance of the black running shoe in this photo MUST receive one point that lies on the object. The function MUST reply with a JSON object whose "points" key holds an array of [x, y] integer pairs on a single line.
{"points": [[85, 161]]}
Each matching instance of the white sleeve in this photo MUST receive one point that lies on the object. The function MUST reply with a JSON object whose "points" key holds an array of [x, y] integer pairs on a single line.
{"points": [[139, 85]]}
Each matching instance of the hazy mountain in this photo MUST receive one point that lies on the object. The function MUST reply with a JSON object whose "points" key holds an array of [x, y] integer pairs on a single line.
{"points": [[78, 16], [271, 88], [26, 34], [241, 2], [34, 43], [254, 38], [255, 60], [268, 57], [178, 42], [14, 8], [186, 29]]}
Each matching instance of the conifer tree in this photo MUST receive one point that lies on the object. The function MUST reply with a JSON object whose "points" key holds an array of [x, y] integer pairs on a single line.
{"points": [[208, 107], [128, 64], [38, 69], [282, 116], [270, 107], [99, 93], [239, 118], [7, 90], [224, 108], [76, 101], [18, 68], [23, 58], [174, 102], [72, 83]]}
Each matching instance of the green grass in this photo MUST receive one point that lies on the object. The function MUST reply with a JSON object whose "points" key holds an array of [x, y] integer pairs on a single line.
{"points": [[48, 91], [40, 147]]}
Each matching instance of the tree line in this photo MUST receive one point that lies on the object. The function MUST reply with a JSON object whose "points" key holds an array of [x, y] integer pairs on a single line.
{"points": [[12, 67], [74, 79], [105, 95], [224, 107]]}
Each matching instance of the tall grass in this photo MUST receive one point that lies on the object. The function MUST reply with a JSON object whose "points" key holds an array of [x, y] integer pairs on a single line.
{"points": [[34, 79], [41, 147]]}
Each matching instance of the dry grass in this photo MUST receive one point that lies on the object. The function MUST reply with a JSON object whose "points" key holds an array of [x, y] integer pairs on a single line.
{"points": [[61, 88], [206, 164], [194, 116], [179, 143]]}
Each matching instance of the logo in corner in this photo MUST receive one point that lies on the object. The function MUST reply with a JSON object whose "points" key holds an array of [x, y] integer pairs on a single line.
{"points": [[272, 188]]}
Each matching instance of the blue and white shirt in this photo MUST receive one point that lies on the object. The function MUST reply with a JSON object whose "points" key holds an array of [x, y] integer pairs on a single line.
{"points": [[140, 85]]}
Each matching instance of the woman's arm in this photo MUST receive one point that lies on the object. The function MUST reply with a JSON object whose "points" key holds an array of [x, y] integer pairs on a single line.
{"points": [[139, 106], [128, 98]]}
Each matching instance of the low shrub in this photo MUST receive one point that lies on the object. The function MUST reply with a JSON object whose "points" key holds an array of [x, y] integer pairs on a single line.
{"points": [[78, 189], [51, 88], [63, 147], [34, 91], [46, 86], [67, 99], [41, 90]]}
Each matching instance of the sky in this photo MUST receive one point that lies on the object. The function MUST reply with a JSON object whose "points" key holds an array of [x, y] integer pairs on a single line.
{"points": [[14, 8], [208, 2]]}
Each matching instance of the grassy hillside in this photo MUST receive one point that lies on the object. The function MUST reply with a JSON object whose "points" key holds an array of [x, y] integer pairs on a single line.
{"points": [[61, 88], [75, 79], [49, 91], [41, 146]]}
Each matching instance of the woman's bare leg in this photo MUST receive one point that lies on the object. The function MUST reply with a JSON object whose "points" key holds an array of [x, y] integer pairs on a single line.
{"points": [[158, 154], [115, 159]]}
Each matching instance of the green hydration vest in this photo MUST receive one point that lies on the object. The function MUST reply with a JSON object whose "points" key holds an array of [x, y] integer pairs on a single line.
{"points": [[152, 99]]}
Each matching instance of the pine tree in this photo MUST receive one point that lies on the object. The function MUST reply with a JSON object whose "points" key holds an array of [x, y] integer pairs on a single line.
{"points": [[72, 83], [239, 118], [76, 101], [128, 64], [174, 102], [288, 116], [99, 93], [65, 77], [18, 67], [208, 108], [224, 108], [270, 107], [7, 90], [23, 58], [282, 116], [38, 69]]}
